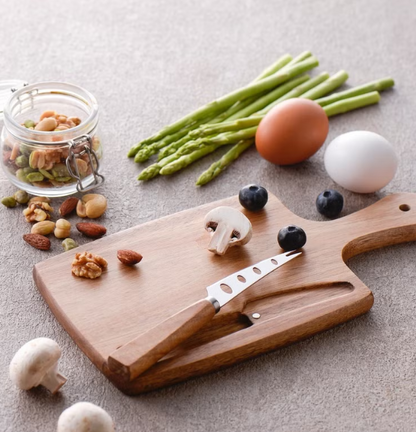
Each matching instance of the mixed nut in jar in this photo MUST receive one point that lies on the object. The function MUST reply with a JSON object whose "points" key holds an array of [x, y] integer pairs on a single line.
{"points": [[50, 143]]}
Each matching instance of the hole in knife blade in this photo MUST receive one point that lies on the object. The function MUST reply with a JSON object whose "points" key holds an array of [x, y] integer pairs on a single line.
{"points": [[256, 270], [226, 288], [273, 261], [241, 278]]}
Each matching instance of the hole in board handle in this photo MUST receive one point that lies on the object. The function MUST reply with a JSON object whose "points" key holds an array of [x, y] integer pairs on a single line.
{"points": [[404, 207]]}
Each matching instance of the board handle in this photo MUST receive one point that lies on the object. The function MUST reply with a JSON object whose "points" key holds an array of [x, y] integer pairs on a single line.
{"points": [[138, 355], [392, 220]]}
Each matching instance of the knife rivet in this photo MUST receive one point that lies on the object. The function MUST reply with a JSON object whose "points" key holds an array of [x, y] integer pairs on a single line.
{"points": [[256, 315]]}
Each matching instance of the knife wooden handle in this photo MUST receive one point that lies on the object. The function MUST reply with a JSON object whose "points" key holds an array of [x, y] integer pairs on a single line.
{"points": [[138, 355]]}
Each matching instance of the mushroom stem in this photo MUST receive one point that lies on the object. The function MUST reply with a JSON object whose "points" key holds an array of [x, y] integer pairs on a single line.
{"points": [[53, 380], [220, 239]]}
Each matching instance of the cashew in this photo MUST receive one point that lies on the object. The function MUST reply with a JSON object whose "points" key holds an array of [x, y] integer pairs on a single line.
{"points": [[91, 206], [63, 229]]}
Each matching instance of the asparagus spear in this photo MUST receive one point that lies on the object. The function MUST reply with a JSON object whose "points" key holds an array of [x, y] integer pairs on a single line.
{"points": [[217, 128], [221, 139], [172, 148], [266, 100], [228, 100], [378, 85], [352, 103], [147, 151], [278, 65], [227, 159], [327, 86], [187, 159], [302, 56], [296, 92], [281, 62], [153, 170]]}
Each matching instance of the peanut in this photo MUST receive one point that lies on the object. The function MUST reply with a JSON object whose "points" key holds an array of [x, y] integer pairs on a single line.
{"points": [[74, 120], [43, 228], [62, 127], [47, 114], [61, 118]]}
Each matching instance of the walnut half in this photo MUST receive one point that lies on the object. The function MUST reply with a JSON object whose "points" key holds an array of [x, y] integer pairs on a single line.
{"points": [[88, 265], [37, 211]]}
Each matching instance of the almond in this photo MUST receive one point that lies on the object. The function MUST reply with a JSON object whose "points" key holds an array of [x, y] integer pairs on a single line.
{"points": [[68, 206], [90, 229], [37, 241], [129, 257]]}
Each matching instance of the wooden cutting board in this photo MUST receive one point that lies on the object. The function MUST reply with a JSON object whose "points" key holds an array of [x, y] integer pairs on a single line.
{"points": [[310, 294]]}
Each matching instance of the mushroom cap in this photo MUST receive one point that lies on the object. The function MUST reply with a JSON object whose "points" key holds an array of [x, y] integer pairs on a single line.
{"points": [[85, 417], [33, 360]]}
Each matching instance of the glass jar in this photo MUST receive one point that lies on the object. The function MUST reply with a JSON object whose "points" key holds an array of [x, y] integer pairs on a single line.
{"points": [[54, 163]]}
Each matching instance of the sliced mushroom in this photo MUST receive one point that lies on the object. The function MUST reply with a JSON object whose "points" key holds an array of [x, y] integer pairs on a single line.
{"points": [[36, 363], [228, 227], [85, 417]]}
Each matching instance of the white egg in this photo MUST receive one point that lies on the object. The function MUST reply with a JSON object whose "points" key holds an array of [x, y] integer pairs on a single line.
{"points": [[361, 161]]}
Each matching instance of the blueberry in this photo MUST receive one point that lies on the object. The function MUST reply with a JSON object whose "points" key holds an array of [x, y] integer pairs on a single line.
{"points": [[253, 197], [330, 203], [291, 237]]}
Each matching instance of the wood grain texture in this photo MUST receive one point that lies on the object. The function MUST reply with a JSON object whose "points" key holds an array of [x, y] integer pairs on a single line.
{"points": [[141, 353], [310, 294]]}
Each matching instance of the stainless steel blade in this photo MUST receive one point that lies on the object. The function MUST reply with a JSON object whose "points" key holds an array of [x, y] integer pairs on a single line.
{"points": [[239, 281]]}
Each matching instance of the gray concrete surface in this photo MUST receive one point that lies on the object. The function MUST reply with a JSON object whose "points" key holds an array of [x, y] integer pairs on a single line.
{"points": [[148, 63]]}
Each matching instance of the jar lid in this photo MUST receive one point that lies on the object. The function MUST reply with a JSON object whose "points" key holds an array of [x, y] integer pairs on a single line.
{"points": [[7, 87]]}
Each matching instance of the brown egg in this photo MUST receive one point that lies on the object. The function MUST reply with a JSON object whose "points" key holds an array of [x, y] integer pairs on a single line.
{"points": [[292, 131]]}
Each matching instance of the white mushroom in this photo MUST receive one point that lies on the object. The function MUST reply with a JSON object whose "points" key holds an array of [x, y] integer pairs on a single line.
{"points": [[85, 417], [228, 227], [36, 363]]}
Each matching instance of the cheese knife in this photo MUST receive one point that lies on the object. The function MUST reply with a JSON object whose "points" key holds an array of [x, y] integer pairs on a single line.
{"points": [[138, 355]]}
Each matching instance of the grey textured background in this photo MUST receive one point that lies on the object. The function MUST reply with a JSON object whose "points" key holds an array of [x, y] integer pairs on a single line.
{"points": [[148, 63]]}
